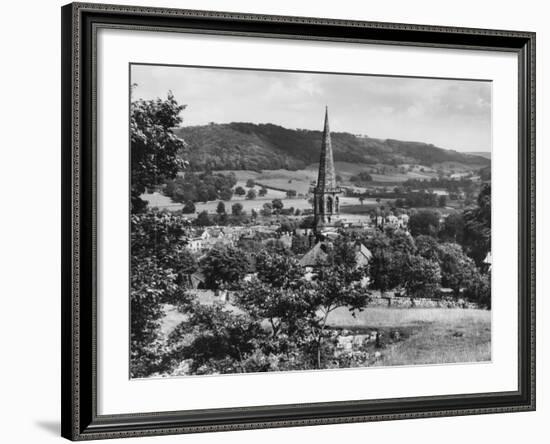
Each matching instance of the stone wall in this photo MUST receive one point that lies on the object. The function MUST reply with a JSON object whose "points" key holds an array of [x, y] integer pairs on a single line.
{"points": [[407, 302]]}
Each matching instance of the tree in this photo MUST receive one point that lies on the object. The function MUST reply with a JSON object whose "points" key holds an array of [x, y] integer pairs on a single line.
{"points": [[150, 284], [277, 205], [453, 228], [240, 191], [336, 286], [220, 209], [361, 199], [159, 259], [278, 270], [401, 241], [427, 247], [224, 267], [457, 269], [250, 183], [200, 187], [263, 191], [154, 146], [375, 240], [382, 270], [290, 193], [420, 276], [478, 289], [237, 209], [266, 209], [223, 341], [363, 176], [188, 208], [251, 194], [477, 227], [424, 222], [442, 201], [300, 244], [203, 219], [226, 194]]}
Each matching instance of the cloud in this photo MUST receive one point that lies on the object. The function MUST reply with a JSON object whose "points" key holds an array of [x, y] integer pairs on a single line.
{"points": [[450, 113]]}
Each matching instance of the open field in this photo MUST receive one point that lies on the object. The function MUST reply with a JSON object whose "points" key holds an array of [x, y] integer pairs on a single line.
{"points": [[301, 180], [431, 335], [163, 202]]}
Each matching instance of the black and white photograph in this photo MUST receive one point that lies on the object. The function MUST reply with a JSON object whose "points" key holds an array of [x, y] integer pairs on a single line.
{"points": [[286, 221]]}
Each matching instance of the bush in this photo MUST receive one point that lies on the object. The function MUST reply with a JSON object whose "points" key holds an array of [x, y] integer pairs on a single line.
{"points": [[188, 208]]}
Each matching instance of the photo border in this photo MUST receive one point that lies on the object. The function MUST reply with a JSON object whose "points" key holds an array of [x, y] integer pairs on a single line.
{"points": [[80, 22]]}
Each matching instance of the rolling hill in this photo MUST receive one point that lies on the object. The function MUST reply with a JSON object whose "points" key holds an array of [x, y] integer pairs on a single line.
{"points": [[248, 146]]}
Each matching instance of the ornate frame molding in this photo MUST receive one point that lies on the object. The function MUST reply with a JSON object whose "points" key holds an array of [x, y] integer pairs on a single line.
{"points": [[79, 395]]}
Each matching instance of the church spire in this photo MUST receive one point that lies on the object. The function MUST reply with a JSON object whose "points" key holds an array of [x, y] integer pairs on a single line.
{"points": [[326, 201], [327, 176]]}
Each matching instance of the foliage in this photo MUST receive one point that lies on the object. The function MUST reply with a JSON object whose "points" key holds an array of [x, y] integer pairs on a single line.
{"points": [[277, 205], [427, 247], [220, 209], [242, 145], [224, 267], [159, 262], [237, 209], [155, 148], [278, 270], [363, 176], [420, 276], [189, 207], [374, 241], [290, 193], [478, 289], [201, 187], [203, 219], [384, 270], [240, 191], [424, 222], [300, 244], [401, 241], [418, 199], [251, 194], [453, 228], [477, 227], [266, 210], [222, 340], [457, 269]]}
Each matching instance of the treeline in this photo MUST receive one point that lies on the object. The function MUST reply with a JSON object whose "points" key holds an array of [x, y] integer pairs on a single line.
{"points": [[242, 145], [420, 199], [363, 176], [451, 185], [200, 187]]}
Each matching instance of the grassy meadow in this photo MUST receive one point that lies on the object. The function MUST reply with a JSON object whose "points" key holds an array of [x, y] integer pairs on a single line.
{"points": [[427, 335]]}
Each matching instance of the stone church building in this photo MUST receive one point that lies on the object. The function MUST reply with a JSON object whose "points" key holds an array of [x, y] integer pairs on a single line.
{"points": [[326, 194]]}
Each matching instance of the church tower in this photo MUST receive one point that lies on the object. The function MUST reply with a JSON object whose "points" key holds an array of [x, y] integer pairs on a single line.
{"points": [[326, 201]]}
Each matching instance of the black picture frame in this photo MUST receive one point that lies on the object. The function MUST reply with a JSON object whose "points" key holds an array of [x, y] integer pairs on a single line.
{"points": [[80, 420]]}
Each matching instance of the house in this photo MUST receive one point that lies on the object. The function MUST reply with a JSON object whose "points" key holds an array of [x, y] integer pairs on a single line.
{"points": [[318, 255], [488, 261], [197, 280], [195, 244]]}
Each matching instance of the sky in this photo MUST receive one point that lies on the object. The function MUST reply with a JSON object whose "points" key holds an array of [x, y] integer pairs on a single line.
{"points": [[451, 114]]}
